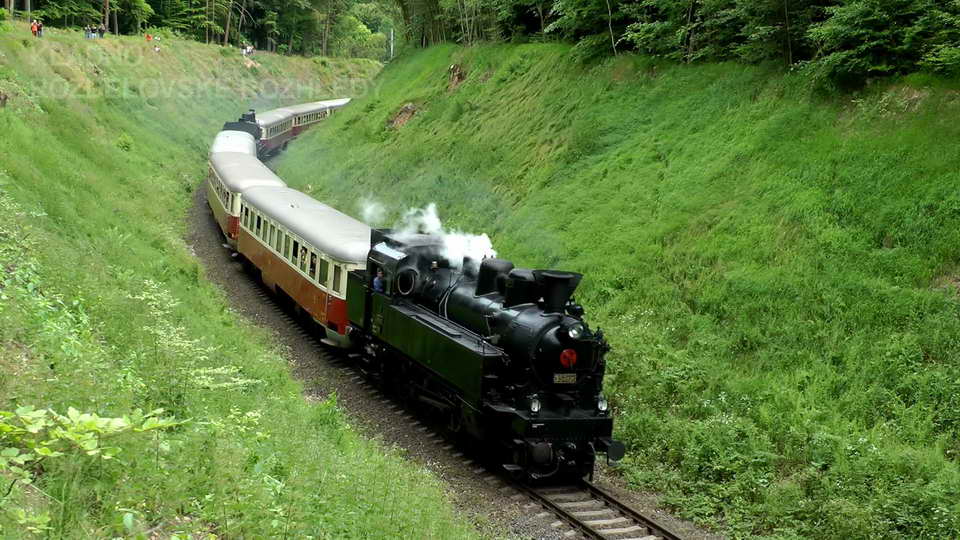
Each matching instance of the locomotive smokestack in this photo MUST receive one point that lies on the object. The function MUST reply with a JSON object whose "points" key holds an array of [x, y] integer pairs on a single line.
{"points": [[469, 266], [490, 269], [557, 287]]}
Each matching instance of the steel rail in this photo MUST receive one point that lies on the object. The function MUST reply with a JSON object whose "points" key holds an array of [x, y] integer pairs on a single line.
{"points": [[656, 529], [653, 528]]}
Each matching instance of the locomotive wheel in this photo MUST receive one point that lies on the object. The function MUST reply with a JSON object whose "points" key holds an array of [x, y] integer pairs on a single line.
{"points": [[455, 421]]}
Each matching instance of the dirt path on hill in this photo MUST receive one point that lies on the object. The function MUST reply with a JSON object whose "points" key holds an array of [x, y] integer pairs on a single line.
{"points": [[497, 510]]}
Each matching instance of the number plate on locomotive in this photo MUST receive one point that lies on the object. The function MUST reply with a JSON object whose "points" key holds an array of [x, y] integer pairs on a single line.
{"points": [[564, 378]]}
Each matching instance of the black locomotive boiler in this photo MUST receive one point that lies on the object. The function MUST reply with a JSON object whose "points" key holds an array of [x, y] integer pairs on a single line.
{"points": [[503, 353]]}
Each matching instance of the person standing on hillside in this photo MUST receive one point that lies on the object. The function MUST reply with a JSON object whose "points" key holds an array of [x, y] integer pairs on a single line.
{"points": [[39, 28], [101, 31], [33, 28]]}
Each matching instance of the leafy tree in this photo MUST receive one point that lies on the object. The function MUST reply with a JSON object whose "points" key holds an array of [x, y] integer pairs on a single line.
{"points": [[867, 38]]}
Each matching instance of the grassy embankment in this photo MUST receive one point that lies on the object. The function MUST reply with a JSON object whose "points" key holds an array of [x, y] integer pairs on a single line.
{"points": [[777, 273], [103, 309]]}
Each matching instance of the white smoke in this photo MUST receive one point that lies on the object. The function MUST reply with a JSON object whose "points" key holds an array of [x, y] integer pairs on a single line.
{"points": [[456, 244], [372, 212]]}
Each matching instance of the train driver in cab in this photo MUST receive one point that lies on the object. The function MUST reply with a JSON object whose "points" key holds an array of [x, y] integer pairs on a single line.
{"points": [[379, 284]]}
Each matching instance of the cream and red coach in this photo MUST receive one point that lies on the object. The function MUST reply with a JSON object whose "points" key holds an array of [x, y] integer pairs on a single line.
{"points": [[278, 126], [304, 249], [231, 174]]}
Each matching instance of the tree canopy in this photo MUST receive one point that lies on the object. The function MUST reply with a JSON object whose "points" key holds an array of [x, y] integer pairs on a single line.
{"points": [[311, 27], [838, 42]]}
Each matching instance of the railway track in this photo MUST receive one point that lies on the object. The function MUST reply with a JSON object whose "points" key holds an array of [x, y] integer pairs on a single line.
{"points": [[590, 512]]}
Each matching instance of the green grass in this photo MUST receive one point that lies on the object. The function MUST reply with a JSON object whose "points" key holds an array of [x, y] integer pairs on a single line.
{"points": [[103, 308], [777, 273]]}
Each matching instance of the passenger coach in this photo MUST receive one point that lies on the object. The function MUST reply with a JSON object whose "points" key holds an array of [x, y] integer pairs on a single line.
{"points": [[231, 174], [304, 249], [280, 125]]}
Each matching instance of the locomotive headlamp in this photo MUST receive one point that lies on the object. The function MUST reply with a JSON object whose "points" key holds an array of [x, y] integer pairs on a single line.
{"points": [[575, 330], [534, 404], [602, 404]]}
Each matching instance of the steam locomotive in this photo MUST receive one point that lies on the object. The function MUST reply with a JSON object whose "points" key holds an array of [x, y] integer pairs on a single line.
{"points": [[502, 354]]}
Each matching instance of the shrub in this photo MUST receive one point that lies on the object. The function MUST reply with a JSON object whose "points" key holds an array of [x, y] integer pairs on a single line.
{"points": [[124, 142]]}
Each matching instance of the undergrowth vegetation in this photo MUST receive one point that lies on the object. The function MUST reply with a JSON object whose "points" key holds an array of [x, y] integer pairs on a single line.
{"points": [[777, 272], [133, 403]]}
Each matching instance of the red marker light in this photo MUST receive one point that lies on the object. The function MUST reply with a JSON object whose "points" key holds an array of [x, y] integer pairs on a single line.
{"points": [[568, 358]]}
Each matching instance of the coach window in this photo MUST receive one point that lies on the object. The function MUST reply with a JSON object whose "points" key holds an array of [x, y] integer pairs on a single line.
{"points": [[336, 277], [295, 253], [286, 246], [303, 258], [324, 272], [246, 217], [313, 265], [279, 244]]}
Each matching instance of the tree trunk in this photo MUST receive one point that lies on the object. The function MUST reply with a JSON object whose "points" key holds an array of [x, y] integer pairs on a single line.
{"points": [[243, 12], [326, 34], [226, 27], [206, 14], [690, 12], [786, 19], [116, 25], [613, 42], [106, 14]]}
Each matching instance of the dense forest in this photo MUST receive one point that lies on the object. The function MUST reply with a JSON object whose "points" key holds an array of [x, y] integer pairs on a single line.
{"points": [[837, 42]]}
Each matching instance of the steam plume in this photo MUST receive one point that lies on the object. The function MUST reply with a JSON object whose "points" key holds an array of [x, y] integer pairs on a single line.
{"points": [[456, 244], [372, 212]]}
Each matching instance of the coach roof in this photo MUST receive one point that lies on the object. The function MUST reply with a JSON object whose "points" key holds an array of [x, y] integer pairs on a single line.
{"points": [[318, 106], [268, 118], [240, 172], [325, 228], [234, 141]]}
